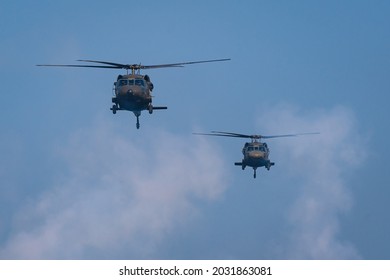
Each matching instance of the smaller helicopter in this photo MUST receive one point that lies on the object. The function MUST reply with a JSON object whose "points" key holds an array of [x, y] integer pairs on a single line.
{"points": [[256, 153]]}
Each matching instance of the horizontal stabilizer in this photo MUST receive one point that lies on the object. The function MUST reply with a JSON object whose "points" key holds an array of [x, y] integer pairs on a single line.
{"points": [[160, 108], [238, 163]]}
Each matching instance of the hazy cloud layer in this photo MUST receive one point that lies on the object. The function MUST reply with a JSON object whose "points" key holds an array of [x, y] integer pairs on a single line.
{"points": [[116, 196], [320, 164]]}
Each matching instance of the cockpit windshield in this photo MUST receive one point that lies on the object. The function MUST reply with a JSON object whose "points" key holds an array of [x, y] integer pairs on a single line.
{"points": [[122, 82], [256, 148], [132, 82]]}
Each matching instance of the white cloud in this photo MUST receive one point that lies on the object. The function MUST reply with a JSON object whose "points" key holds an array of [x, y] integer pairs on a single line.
{"points": [[117, 196], [320, 164], [120, 195]]}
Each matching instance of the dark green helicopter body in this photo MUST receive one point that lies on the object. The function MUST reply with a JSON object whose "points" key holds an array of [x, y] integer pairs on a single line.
{"points": [[255, 155], [133, 93]]}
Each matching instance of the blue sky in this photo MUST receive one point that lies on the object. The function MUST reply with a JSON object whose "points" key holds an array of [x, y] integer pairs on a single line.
{"points": [[77, 182]]}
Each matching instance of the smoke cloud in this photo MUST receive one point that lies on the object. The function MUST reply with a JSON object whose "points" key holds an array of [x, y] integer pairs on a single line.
{"points": [[320, 164], [116, 196]]}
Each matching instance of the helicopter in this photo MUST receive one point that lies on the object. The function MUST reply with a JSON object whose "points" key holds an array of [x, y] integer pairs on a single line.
{"points": [[132, 92], [256, 153]]}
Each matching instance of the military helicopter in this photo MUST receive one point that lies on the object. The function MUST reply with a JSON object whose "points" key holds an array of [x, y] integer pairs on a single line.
{"points": [[132, 92], [256, 153]]}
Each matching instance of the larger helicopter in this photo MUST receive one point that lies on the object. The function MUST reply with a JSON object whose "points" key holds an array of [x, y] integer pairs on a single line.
{"points": [[132, 92], [256, 153]]}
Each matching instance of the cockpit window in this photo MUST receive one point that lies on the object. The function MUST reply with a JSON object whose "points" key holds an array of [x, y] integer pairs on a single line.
{"points": [[128, 82], [139, 82], [122, 82], [256, 148]]}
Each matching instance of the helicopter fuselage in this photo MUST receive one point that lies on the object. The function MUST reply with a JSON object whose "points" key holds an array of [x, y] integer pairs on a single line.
{"points": [[255, 155], [133, 93]]}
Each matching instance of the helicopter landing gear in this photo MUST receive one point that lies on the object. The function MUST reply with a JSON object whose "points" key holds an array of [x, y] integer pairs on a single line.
{"points": [[137, 114], [114, 108], [269, 164], [240, 164], [150, 108]]}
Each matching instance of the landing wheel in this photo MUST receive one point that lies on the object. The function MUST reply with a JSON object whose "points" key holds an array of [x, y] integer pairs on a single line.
{"points": [[114, 108], [268, 166], [254, 173], [137, 124], [150, 108]]}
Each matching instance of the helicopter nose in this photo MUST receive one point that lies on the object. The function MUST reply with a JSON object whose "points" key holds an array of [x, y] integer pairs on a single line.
{"points": [[124, 91], [135, 91], [257, 154], [128, 92]]}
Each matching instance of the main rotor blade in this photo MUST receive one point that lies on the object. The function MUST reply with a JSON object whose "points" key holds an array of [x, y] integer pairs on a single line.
{"points": [[78, 65], [214, 133], [288, 135], [231, 134], [124, 66], [114, 65], [181, 64], [119, 65], [238, 135]]}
